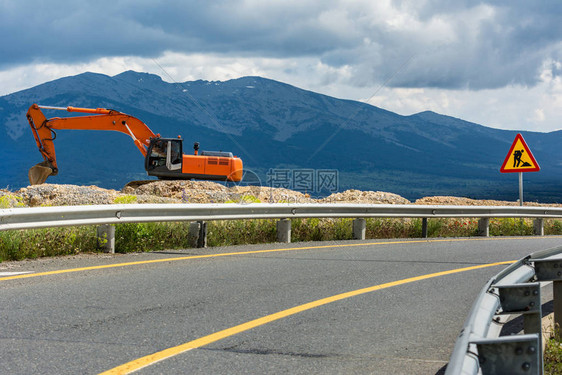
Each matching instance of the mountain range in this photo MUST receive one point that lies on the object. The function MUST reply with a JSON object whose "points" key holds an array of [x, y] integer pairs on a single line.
{"points": [[280, 131]]}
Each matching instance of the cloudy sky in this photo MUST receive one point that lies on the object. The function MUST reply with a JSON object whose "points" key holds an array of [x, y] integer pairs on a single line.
{"points": [[497, 63]]}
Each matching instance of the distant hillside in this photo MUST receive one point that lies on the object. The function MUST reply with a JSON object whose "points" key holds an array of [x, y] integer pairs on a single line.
{"points": [[275, 128]]}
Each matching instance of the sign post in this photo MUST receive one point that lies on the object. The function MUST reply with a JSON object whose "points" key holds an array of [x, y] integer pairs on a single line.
{"points": [[519, 159], [521, 188]]}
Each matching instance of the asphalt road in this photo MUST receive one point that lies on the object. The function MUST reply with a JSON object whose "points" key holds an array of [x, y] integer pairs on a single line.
{"points": [[87, 321]]}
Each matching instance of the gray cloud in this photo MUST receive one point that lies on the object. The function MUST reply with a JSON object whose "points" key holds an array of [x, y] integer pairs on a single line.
{"points": [[440, 44]]}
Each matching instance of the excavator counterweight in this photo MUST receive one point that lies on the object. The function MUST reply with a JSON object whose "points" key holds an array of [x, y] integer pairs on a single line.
{"points": [[163, 156]]}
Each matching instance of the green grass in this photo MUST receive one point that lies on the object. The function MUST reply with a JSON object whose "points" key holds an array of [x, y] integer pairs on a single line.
{"points": [[240, 232], [553, 354], [315, 229], [140, 237], [35, 243]]}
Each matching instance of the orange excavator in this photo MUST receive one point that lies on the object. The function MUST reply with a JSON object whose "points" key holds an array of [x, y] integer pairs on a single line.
{"points": [[163, 156]]}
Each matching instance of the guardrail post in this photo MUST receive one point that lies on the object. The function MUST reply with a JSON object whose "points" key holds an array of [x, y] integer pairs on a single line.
{"points": [[518, 354], [523, 299], [424, 227], [538, 225], [359, 228], [484, 227], [284, 230], [193, 234], [197, 236], [202, 239], [551, 270], [106, 238], [557, 300]]}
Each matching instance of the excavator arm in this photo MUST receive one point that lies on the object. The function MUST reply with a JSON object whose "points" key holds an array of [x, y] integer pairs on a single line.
{"points": [[100, 119]]}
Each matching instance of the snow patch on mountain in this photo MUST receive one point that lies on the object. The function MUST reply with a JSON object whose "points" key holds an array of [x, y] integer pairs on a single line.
{"points": [[15, 125]]}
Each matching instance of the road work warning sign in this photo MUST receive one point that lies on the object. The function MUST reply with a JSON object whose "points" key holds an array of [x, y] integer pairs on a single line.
{"points": [[520, 158]]}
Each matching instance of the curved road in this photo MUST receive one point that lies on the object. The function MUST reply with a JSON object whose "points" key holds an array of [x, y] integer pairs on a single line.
{"points": [[279, 308]]}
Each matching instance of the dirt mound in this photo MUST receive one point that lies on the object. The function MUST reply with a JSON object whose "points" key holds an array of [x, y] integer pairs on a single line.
{"points": [[187, 192], [62, 195], [213, 192], [459, 201], [268, 195], [156, 191], [179, 191], [368, 197]]}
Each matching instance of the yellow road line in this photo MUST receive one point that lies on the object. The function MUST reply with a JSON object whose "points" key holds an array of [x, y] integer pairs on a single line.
{"points": [[142, 262], [151, 359]]}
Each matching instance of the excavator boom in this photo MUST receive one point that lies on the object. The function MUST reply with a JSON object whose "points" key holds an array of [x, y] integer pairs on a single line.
{"points": [[173, 165], [102, 119]]}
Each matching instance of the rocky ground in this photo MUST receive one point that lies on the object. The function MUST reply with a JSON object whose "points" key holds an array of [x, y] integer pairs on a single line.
{"points": [[206, 192]]}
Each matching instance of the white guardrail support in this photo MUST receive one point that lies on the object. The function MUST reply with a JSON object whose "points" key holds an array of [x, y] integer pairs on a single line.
{"points": [[284, 231], [359, 229], [484, 227], [106, 238], [538, 226]]}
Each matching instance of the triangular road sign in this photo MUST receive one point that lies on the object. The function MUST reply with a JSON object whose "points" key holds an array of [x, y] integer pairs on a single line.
{"points": [[519, 158]]}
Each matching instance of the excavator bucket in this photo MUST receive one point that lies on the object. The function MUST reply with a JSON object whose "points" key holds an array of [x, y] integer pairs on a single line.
{"points": [[39, 172]]}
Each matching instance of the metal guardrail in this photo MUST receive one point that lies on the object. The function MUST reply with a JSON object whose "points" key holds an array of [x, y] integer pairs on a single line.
{"points": [[479, 345], [516, 290], [40, 217]]}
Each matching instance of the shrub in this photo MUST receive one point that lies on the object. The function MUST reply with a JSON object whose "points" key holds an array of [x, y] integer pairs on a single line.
{"points": [[238, 232], [133, 237], [125, 199], [511, 227], [10, 200], [553, 227]]}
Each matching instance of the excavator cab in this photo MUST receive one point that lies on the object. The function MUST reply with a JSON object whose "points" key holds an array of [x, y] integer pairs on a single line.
{"points": [[165, 160], [164, 157]]}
